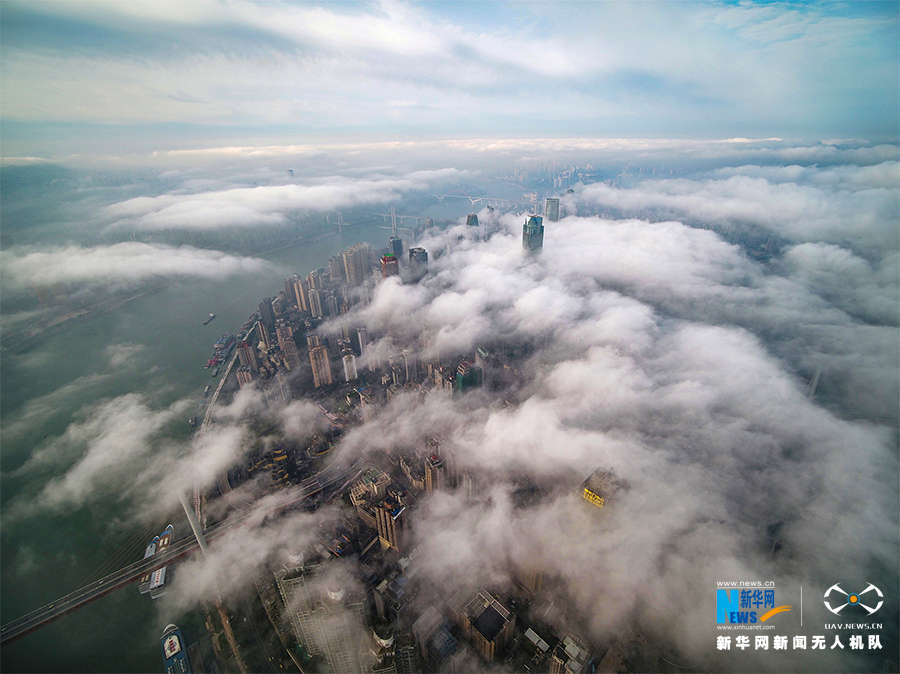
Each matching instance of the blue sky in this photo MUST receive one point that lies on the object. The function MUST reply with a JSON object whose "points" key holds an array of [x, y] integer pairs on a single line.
{"points": [[95, 78]]}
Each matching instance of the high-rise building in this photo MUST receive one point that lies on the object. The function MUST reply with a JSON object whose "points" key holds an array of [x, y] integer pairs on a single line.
{"points": [[349, 361], [321, 366], [406, 655], [396, 246], [278, 305], [424, 628], [472, 220], [247, 356], [468, 376], [244, 376], [336, 267], [390, 518], [277, 393], [485, 621], [301, 294], [265, 338], [363, 336], [331, 304], [418, 263], [530, 576], [533, 234], [267, 314], [601, 486], [289, 296], [551, 209], [316, 305], [287, 345], [570, 656], [410, 365], [314, 278], [467, 485], [434, 474], [356, 263], [382, 648], [326, 619], [390, 266]]}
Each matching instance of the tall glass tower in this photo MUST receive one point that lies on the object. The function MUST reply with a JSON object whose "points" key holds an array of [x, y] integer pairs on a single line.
{"points": [[533, 234]]}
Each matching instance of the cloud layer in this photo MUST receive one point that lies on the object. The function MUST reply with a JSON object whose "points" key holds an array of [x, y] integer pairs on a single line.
{"points": [[118, 264], [265, 205]]}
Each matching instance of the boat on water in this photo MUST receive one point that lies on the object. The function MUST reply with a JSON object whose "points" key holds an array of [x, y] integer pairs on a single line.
{"points": [[144, 582], [158, 579], [192, 421], [211, 316], [215, 372], [206, 390], [175, 653]]}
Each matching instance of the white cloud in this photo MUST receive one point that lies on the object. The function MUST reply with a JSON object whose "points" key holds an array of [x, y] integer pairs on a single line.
{"points": [[268, 204], [128, 262], [798, 212]]}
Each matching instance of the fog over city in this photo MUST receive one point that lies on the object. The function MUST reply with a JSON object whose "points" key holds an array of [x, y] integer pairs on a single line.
{"points": [[656, 347], [715, 315]]}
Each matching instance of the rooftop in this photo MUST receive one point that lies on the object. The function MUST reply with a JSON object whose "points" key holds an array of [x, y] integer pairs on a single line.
{"points": [[489, 623]]}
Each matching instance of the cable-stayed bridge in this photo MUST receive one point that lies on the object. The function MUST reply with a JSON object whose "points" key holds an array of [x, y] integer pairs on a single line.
{"points": [[133, 572]]}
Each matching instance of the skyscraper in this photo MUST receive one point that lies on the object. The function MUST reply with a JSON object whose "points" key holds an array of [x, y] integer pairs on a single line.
{"points": [[356, 263], [406, 655], [601, 486], [321, 367], [247, 356], [314, 278], [418, 263], [331, 304], [326, 619], [472, 220], [390, 266], [336, 267], [468, 376], [264, 339], [289, 296], [533, 234], [267, 314], [301, 294], [397, 246], [316, 305], [551, 209], [287, 345], [485, 621], [349, 361], [390, 517], [244, 376], [434, 473]]}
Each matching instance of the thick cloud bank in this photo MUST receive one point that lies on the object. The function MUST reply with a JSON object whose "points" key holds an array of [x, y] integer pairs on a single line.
{"points": [[671, 355], [116, 264], [263, 205]]}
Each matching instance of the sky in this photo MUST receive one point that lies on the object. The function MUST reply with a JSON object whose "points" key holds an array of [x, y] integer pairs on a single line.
{"points": [[112, 79]]}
